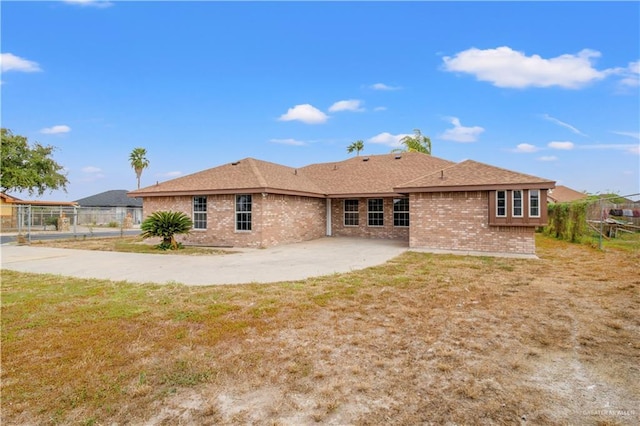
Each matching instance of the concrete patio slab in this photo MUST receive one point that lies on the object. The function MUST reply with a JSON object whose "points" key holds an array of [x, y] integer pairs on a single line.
{"points": [[290, 262]]}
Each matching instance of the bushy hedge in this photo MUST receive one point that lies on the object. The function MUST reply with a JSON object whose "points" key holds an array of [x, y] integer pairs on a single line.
{"points": [[568, 221]]}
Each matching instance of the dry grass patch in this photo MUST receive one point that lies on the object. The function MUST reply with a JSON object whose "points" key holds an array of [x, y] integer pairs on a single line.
{"points": [[421, 339], [127, 245]]}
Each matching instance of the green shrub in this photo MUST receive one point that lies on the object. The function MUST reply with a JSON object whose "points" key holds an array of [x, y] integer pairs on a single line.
{"points": [[166, 224], [113, 224], [51, 221], [567, 221]]}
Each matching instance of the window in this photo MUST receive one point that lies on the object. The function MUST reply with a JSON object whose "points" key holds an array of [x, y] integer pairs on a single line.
{"points": [[243, 212], [351, 217], [376, 212], [516, 201], [199, 212], [517, 207], [400, 212], [534, 203], [501, 203]]}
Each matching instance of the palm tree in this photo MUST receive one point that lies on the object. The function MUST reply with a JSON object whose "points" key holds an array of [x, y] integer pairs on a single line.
{"points": [[139, 162], [356, 146], [416, 143], [166, 224]]}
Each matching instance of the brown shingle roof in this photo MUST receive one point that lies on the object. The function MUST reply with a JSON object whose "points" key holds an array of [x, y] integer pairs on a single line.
{"points": [[248, 175], [373, 174], [563, 194], [472, 175]]}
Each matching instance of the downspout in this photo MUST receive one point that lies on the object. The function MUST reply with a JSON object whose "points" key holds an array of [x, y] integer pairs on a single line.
{"points": [[328, 217]]}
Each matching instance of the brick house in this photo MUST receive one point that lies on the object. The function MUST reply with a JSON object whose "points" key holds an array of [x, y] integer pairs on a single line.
{"points": [[423, 200]]}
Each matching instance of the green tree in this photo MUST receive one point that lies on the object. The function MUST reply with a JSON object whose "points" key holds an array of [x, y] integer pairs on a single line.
{"points": [[416, 143], [139, 162], [25, 168], [356, 146], [166, 224]]}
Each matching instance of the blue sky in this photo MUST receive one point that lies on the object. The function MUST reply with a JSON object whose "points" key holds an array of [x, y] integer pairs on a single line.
{"points": [[545, 88]]}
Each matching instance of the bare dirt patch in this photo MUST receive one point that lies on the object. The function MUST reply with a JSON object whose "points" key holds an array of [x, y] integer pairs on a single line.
{"points": [[129, 245], [423, 339]]}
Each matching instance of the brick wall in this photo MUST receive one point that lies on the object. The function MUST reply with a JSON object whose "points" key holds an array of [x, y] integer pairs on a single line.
{"points": [[388, 231], [276, 219], [289, 219], [460, 221]]}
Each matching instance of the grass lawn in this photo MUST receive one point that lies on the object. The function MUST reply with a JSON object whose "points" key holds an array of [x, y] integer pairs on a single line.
{"points": [[421, 339]]}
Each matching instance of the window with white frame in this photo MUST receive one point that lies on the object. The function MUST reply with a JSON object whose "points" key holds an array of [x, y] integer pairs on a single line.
{"points": [[501, 203], [534, 203], [351, 216], [401, 212], [199, 212], [375, 213], [243, 212], [516, 203]]}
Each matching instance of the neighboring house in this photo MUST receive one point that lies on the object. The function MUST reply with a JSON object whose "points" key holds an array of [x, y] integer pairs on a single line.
{"points": [[38, 211], [423, 200], [110, 206], [563, 194]]}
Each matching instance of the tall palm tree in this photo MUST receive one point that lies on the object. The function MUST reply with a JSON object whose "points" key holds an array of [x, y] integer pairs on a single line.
{"points": [[139, 161], [356, 146], [416, 143]]}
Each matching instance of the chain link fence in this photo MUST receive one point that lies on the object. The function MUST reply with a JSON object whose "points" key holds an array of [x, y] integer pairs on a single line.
{"points": [[28, 219], [615, 218]]}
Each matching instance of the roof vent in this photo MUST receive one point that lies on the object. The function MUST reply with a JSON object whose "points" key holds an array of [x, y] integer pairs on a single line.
{"points": [[442, 174], [365, 159], [235, 163], [398, 156]]}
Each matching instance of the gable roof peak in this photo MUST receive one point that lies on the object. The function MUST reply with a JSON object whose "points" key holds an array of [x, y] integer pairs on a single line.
{"points": [[472, 174]]}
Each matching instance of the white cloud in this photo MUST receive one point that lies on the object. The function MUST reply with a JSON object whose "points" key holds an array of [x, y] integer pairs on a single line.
{"points": [[526, 148], [505, 67], [635, 135], [635, 149], [11, 62], [169, 174], [382, 86], [380, 108], [459, 133], [289, 141], [619, 146], [347, 105], [631, 75], [563, 124], [90, 3], [387, 138], [91, 169], [54, 130], [548, 158], [306, 113], [91, 174], [564, 145]]}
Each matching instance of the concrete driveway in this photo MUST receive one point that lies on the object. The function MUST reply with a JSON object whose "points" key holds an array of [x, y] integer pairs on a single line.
{"points": [[291, 262]]}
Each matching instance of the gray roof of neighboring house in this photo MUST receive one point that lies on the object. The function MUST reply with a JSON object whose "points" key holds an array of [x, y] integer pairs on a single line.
{"points": [[113, 198]]}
